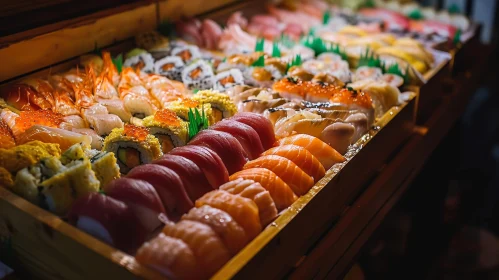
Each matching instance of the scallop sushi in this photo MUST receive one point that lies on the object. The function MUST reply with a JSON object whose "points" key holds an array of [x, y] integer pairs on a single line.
{"points": [[198, 75], [170, 67], [170, 130], [133, 146], [228, 79]]}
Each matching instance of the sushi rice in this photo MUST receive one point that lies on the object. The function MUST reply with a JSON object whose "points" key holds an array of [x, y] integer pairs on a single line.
{"points": [[144, 61], [169, 136], [187, 53], [228, 79], [198, 75], [170, 67]]}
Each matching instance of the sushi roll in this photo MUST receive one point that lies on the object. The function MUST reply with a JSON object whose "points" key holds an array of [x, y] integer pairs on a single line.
{"points": [[182, 107], [133, 146], [170, 67], [104, 165], [187, 53], [170, 130], [329, 57], [366, 72], [221, 105], [143, 61], [228, 79], [198, 75]]}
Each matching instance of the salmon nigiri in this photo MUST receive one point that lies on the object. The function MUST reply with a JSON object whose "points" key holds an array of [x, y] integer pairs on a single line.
{"points": [[232, 234], [59, 136], [301, 157], [243, 210], [322, 151], [280, 192], [289, 172], [254, 191], [207, 246], [170, 256]]}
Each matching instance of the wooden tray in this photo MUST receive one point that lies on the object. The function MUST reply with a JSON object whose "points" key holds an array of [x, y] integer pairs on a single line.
{"points": [[41, 245]]}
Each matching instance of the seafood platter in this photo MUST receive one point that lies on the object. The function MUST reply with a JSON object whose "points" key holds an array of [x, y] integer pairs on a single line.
{"points": [[202, 151]]}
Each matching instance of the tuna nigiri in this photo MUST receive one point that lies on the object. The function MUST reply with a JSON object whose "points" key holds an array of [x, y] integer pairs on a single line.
{"points": [[192, 176], [169, 187], [245, 134], [280, 192], [260, 124], [301, 157], [285, 169], [170, 256], [322, 151], [141, 198], [254, 191], [225, 145], [211, 164], [243, 210], [109, 220], [211, 253], [232, 234]]}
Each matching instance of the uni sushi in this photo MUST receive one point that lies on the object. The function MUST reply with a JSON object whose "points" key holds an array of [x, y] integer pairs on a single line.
{"points": [[170, 67], [170, 130], [221, 105], [133, 146], [228, 79], [198, 75]]}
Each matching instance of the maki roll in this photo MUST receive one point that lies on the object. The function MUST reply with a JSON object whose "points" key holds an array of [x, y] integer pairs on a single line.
{"points": [[187, 53], [228, 79], [170, 67], [133, 146], [366, 72], [143, 61], [198, 75], [181, 108], [221, 105], [170, 130], [104, 165]]}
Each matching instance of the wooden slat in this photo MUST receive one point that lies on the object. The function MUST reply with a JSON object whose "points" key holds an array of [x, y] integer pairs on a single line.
{"points": [[44, 50], [176, 9]]}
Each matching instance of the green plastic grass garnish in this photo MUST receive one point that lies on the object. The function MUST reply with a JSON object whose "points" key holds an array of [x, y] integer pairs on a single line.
{"points": [[195, 90], [369, 59], [416, 14], [197, 121], [260, 44], [457, 37], [260, 62], [326, 17], [396, 70], [454, 9], [276, 51], [118, 62], [296, 61], [286, 41]]}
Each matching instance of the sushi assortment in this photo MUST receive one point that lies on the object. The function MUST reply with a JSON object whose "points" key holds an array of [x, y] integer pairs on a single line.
{"points": [[185, 150]]}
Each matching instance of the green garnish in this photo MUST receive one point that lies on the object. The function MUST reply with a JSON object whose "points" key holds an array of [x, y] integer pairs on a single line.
{"points": [[195, 90], [457, 37], [350, 89], [102, 192], [260, 62], [286, 41], [369, 59], [97, 50], [454, 9], [369, 4], [320, 46], [167, 28], [311, 32], [118, 62], [197, 121], [260, 43], [326, 17], [134, 52], [276, 51], [296, 61], [416, 14], [396, 70]]}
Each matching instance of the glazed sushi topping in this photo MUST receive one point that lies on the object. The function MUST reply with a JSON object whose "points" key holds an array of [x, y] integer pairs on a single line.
{"points": [[189, 103], [28, 119], [140, 133], [167, 117]]}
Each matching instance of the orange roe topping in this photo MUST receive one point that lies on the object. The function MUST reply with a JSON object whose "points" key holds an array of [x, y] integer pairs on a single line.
{"points": [[360, 98], [27, 119], [139, 133], [167, 116], [306, 88], [6, 137], [189, 103]]}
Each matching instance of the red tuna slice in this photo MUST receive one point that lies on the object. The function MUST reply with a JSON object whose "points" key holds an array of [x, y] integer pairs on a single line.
{"points": [[195, 182], [211, 164], [109, 220], [225, 145], [245, 134], [261, 125], [169, 187], [142, 199]]}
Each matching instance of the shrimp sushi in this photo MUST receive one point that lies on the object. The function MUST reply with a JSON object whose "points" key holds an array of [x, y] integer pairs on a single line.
{"points": [[170, 256], [280, 192], [289, 172], [322, 151], [132, 146], [301, 157], [261, 125], [245, 134], [209, 250], [198, 75], [170, 67], [170, 130], [232, 234], [243, 210], [254, 191]]}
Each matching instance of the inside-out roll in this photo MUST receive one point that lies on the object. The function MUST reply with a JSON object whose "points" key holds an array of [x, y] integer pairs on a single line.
{"points": [[168, 128]]}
